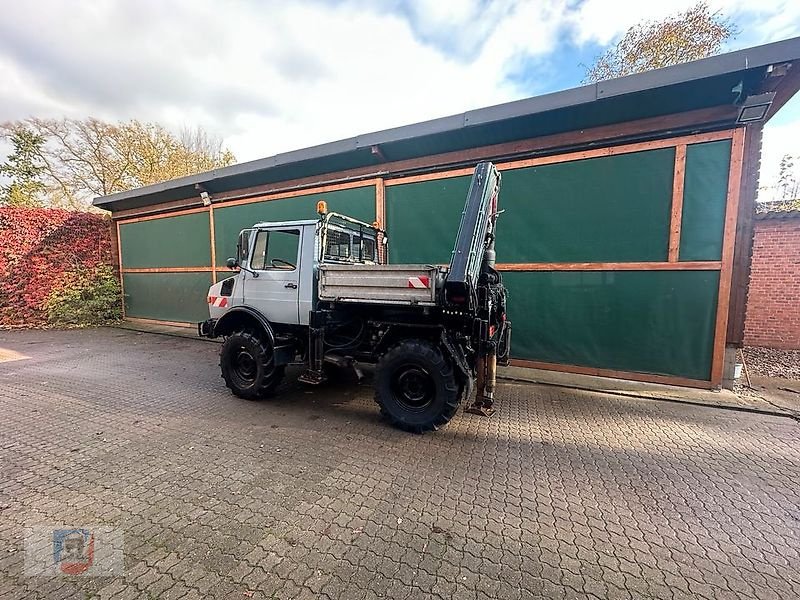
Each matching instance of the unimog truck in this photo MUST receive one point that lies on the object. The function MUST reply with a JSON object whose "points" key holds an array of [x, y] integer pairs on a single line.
{"points": [[318, 293]]}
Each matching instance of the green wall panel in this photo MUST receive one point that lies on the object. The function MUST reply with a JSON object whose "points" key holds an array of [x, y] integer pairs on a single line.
{"points": [[229, 221], [182, 241], [704, 196], [643, 321], [607, 209], [422, 219], [167, 296]]}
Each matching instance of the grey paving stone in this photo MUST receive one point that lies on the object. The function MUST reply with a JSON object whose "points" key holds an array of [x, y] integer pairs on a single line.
{"points": [[559, 495]]}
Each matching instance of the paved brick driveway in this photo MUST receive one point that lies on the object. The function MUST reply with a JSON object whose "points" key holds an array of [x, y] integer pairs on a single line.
{"points": [[562, 494]]}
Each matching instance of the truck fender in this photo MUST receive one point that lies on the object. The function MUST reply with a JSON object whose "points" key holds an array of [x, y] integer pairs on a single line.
{"points": [[244, 317]]}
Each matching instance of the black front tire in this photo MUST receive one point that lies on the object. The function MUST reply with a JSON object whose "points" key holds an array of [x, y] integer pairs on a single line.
{"points": [[415, 387], [248, 366]]}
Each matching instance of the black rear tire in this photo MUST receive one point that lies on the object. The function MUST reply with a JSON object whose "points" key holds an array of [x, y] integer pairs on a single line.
{"points": [[248, 366], [415, 387]]}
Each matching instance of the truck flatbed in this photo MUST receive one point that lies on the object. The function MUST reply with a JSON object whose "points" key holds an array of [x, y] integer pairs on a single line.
{"points": [[384, 284]]}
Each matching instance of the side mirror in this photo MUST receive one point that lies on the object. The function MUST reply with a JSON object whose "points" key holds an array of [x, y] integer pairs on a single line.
{"points": [[232, 263]]}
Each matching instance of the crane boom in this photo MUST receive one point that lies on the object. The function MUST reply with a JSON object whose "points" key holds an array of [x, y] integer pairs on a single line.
{"points": [[475, 239]]}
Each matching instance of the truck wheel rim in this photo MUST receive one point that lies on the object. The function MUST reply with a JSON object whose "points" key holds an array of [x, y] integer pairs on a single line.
{"points": [[413, 387], [245, 365]]}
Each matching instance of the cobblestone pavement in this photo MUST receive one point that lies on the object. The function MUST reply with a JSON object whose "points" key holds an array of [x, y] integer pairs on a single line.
{"points": [[562, 494]]}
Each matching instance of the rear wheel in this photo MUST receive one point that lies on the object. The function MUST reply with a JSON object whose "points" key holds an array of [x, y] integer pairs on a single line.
{"points": [[248, 366], [415, 387]]}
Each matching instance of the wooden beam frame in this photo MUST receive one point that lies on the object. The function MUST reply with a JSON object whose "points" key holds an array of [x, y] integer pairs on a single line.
{"points": [[169, 270], [724, 266], [380, 203], [597, 372], [619, 266], [157, 322], [743, 248], [224, 200], [119, 266], [380, 219], [573, 156], [212, 237], [676, 215], [177, 213], [551, 144], [728, 244]]}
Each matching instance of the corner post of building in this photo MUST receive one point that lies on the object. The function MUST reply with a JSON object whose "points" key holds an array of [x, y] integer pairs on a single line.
{"points": [[116, 242], [743, 250], [723, 360]]}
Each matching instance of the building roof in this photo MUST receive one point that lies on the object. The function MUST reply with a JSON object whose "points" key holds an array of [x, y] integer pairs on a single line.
{"points": [[716, 81]]}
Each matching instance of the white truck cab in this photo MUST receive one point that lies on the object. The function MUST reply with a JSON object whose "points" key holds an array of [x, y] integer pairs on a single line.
{"points": [[278, 264]]}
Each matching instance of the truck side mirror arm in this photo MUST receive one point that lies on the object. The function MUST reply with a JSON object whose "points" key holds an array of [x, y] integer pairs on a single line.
{"points": [[232, 263]]}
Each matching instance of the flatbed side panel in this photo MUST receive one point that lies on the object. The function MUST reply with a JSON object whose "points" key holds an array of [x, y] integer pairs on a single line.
{"points": [[392, 284]]}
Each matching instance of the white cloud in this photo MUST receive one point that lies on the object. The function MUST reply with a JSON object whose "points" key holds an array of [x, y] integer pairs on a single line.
{"points": [[275, 76], [268, 78], [780, 138], [599, 22], [595, 22]]}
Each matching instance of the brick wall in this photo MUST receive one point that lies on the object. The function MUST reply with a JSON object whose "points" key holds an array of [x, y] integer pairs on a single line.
{"points": [[773, 302]]}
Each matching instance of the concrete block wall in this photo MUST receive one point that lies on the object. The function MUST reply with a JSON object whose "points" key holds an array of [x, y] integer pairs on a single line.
{"points": [[773, 302]]}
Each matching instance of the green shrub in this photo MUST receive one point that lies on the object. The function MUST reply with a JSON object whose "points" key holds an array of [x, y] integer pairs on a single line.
{"points": [[85, 297]]}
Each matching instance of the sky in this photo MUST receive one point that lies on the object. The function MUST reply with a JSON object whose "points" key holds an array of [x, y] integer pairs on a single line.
{"points": [[273, 76]]}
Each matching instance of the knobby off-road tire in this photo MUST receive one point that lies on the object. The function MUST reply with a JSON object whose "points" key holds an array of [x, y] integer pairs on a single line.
{"points": [[248, 366], [415, 387]]}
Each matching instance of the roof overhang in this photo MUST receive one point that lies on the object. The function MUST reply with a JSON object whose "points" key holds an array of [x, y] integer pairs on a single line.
{"points": [[726, 80]]}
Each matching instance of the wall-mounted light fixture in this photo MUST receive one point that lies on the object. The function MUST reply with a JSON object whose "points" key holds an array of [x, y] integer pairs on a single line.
{"points": [[376, 151], [204, 195], [755, 108]]}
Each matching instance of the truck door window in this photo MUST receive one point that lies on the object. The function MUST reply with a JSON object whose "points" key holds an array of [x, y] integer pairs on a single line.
{"points": [[276, 250]]}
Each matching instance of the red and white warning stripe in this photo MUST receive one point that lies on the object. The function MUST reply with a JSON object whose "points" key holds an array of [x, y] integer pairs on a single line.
{"points": [[421, 282], [218, 301]]}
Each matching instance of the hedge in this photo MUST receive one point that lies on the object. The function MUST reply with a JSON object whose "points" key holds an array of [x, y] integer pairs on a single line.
{"points": [[56, 268]]}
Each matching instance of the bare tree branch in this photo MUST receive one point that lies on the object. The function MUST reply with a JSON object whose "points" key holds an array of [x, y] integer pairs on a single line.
{"points": [[85, 158]]}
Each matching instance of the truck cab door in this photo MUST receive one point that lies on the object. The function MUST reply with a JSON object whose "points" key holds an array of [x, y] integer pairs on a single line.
{"points": [[275, 257]]}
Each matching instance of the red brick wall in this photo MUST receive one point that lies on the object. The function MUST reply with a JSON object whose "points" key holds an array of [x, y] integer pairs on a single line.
{"points": [[773, 302]]}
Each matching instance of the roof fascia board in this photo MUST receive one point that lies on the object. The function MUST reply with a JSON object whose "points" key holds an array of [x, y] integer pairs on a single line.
{"points": [[730, 62], [748, 58]]}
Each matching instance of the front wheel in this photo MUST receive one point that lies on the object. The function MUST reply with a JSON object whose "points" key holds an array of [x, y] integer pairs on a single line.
{"points": [[248, 366], [415, 387]]}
